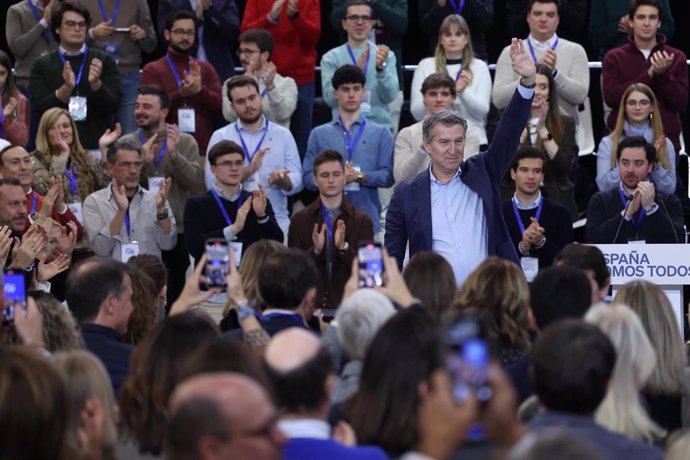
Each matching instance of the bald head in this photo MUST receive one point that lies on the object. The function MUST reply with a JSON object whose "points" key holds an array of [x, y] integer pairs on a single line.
{"points": [[219, 412], [291, 349]]}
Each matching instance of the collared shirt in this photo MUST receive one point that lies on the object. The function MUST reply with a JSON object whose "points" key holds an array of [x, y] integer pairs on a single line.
{"points": [[373, 153], [305, 428], [100, 208], [528, 206], [458, 225], [540, 48], [81, 51], [282, 155], [227, 232]]}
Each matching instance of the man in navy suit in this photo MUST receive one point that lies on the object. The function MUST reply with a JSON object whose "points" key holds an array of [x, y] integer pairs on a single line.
{"points": [[299, 369], [454, 208]]}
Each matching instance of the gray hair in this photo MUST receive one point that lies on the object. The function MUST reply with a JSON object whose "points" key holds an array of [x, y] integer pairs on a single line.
{"points": [[120, 145], [445, 117], [359, 318]]}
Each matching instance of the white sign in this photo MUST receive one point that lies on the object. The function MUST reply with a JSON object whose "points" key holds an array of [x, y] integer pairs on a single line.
{"points": [[667, 264]]}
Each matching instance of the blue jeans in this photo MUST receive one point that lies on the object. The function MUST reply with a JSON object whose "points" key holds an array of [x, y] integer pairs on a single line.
{"points": [[125, 112], [300, 123]]}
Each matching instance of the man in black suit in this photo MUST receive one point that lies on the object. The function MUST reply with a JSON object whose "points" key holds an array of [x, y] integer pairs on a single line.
{"points": [[635, 211]]}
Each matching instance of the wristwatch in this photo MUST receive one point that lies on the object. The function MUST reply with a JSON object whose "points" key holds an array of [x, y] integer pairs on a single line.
{"points": [[345, 247], [162, 215], [360, 177]]}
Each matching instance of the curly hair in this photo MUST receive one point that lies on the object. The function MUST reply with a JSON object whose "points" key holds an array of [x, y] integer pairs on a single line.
{"points": [[60, 331], [499, 289], [148, 280]]}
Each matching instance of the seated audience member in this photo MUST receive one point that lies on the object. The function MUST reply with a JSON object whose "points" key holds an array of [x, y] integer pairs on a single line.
{"points": [[403, 355], [610, 27], [647, 58], [356, 323], [665, 393], [279, 171], [430, 278], [590, 260], [286, 285], [60, 332], [538, 225], [15, 162], [33, 397], [566, 59], [571, 390], [438, 93], [252, 260], [222, 414], [634, 210], [192, 84], [15, 114], [557, 293], [157, 364], [621, 410], [472, 82], [554, 135], [376, 61], [83, 80], [149, 289], [424, 211], [59, 154], [124, 219], [366, 146], [330, 228], [87, 384], [299, 370], [278, 93], [99, 295], [638, 115]]}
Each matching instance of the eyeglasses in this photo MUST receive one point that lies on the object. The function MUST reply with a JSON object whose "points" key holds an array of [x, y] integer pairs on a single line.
{"points": [[231, 164], [641, 102], [356, 18], [74, 25], [187, 32], [247, 51]]}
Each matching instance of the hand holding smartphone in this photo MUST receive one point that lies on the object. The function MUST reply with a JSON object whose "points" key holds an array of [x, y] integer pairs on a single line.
{"points": [[217, 262], [15, 295]]}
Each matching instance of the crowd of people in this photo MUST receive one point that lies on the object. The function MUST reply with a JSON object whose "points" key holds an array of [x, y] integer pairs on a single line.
{"points": [[483, 333]]}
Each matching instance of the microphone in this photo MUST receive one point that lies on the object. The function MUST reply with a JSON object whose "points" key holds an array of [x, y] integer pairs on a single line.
{"points": [[620, 224], [668, 216]]}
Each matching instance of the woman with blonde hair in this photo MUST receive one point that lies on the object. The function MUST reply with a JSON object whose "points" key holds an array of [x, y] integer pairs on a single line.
{"points": [[638, 115], [621, 410], [454, 57], [666, 391], [59, 154], [87, 379]]}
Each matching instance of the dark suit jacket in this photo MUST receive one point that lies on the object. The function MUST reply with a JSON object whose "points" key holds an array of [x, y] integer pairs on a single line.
{"points": [[221, 25], [604, 217], [113, 352], [358, 227], [203, 220], [409, 212]]}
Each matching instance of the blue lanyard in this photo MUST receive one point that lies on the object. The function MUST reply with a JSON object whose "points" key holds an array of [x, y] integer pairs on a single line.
{"points": [[329, 222], [174, 70], [48, 34], [223, 211], [349, 142], [116, 11], [161, 154], [354, 61], [531, 48], [33, 203], [457, 7], [81, 67], [294, 316], [72, 178], [263, 93], [457, 76], [128, 225], [521, 226], [638, 222], [258, 146]]}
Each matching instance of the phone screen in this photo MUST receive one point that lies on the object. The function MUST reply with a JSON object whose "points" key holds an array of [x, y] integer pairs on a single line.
{"points": [[370, 260], [15, 296], [468, 360], [217, 263]]}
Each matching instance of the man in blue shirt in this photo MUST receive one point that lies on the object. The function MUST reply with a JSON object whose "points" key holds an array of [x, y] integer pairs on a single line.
{"points": [[367, 147]]}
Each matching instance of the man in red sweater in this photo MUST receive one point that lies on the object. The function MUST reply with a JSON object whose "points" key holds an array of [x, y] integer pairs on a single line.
{"points": [[295, 27], [193, 85]]}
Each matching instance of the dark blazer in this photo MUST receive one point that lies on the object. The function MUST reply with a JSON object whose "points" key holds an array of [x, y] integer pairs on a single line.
{"points": [[317, 449], [113, 352], [614, 445], [203, 220], [604, 217], [221, 25], [358, 227], [409, 212]]}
